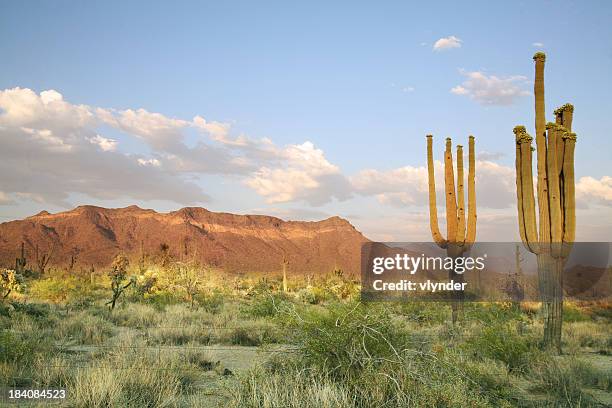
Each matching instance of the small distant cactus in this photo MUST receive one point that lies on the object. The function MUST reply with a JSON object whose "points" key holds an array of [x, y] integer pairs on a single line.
{"points": [[21, 262], [459, 237], [285, 264], [552, 241]]}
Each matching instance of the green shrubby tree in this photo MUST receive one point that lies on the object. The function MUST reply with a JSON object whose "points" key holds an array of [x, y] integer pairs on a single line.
{"points": [[10, 281], [119, 278], [188, 277]]}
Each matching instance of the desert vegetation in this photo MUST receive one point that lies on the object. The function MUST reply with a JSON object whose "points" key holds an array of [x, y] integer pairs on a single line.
{"points": [[552, 240], [183, 335], [458, 236]]}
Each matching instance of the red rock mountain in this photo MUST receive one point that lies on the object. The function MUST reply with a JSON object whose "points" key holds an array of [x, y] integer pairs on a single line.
{"points": [[236, 243]]}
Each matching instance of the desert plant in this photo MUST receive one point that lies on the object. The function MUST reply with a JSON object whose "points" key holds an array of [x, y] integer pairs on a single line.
{"points": [[42, 259], [10, 281], [285, 264], [552, 241], [20, 261], [118, 276], [188, 278], [459, 238]]}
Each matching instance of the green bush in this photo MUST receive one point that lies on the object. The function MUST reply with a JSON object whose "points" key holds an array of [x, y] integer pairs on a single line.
{"points": [[345, 338], [572, 313], [503, 342], [266, 304], [564, 381], [84, 328]]}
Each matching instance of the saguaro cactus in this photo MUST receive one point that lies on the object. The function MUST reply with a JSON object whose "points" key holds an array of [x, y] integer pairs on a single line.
{"points": [[552, 241], [459, 238], [20, 262], [285, 264]]}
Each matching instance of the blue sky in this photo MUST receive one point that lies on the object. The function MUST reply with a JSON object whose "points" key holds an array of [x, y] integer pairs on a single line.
{"points": [[361, 82]]}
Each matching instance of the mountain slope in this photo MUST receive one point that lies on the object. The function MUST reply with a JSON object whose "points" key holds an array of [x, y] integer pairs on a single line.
{"points": [[236, 243]]}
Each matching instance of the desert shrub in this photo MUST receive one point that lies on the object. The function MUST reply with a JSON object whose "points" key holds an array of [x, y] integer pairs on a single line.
{"points": [[412, 380], [492, 313], [502, 342], [424, 312], [162, 298], [563, 380], [588, 334], [135, 315], [84, 328], [313, 295], [345, 338], [105, 386], [14, 348], [250, 333], [183, 315], [60, 289], [572, 313], [52, 371], [291, 389], [38, 311], [210, 301], [180, 335], [266, 304]]}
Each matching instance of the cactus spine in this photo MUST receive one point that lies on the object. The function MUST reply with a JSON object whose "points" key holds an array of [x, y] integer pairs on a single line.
{"points": [[552, 241], [459, 234]]}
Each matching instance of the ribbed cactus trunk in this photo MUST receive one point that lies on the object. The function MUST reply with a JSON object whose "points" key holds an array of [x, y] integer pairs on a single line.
{"points": [[556, 201], [285, 263], [460, 236]]}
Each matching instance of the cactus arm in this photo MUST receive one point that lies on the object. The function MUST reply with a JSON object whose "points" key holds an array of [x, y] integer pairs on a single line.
{"points": [[569, 193], [433, 209], [523, 141], [449, 189], [471, 223], [540, 126], [519, 196], [564, 116], [460, 238], [554, 200]]}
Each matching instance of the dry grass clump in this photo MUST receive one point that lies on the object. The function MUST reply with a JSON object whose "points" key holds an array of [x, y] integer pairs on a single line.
{"points": [[135, 315], [83, 328], [597, 336]]}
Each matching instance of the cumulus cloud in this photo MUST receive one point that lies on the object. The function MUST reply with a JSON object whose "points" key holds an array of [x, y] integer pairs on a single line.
{"points": [[446, 43], [50, 149], [538, 44], [74, 156], [408, 185], [108, 145], [490, 89], [591, 190], [305, 174]]}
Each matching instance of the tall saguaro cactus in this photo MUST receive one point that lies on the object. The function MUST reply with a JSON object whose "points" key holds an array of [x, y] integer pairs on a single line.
{"points": [[552, 241], [459, 237]]}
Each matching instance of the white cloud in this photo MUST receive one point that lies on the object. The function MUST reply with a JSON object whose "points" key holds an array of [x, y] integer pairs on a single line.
{"points": [[591, 190], [447, 43], [491, 90], [538, 44], [107, 145], [304, 175], [149, 162], [5, 199], [408, 185], [218, 130], [50, 149]]}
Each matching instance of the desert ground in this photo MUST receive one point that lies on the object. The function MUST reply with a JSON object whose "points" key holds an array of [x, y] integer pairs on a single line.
{"points": [[184, 336]]}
